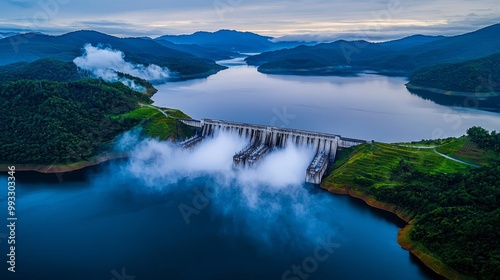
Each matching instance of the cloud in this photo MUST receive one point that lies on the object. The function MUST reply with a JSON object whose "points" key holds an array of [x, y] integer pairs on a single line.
{"points": [[106, 62], [274, 18], [170, 164]]}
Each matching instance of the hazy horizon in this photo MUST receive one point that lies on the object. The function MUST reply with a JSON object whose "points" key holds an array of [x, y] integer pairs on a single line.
{"points": [[318, 20]]}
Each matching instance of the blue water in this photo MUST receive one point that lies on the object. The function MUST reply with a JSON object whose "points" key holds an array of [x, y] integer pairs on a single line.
{"points": [[124, 219], [93, 225], [370, 107]]}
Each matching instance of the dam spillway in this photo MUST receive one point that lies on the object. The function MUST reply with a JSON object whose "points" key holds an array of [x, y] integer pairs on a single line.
{"points": [[263, 139]]}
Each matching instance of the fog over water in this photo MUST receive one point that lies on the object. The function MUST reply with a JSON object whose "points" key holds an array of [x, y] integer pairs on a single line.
{"points": [[271, 189], [170, 213]]}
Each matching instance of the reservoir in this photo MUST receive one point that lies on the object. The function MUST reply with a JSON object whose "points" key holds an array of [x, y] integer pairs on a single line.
{"points": [[171, 214], [368, 106], [106, 220]]}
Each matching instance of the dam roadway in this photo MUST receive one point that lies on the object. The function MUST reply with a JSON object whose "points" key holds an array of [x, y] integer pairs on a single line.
{"points": [[263, 139]]}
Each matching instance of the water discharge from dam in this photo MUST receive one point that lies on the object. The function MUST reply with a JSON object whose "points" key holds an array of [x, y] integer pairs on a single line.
{"points": [[261, 139], [266, 190], [242, 223], [168, 162]]}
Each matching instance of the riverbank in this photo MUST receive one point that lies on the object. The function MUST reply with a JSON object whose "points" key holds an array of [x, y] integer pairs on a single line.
{"points": [[403, 238], [63, 168], [483, 95], [429, 192], [487, 101]]}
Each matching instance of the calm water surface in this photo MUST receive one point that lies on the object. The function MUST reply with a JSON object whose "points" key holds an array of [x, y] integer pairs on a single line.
{"points": [[370, 107], [88, 229]]}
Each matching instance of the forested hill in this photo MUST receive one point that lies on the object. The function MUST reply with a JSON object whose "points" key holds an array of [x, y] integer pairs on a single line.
{"points": [[53, 113], [49, 122], [479, 75], [32, 46], [43, 69], [453, 208], [401, 56]]}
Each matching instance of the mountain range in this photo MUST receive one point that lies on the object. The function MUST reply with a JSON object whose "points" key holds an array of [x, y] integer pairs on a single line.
{"points": [[399, 56], [30, 47], [232, 40], [7, 34], [195, 55]]}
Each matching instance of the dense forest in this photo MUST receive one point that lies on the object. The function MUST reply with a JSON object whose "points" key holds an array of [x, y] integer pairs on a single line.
{"points": [[47, 122], [43, 69], [484, 139], [479, 75], [458, 215], [401, 57], [453, 208], [137, 50], [54, 113]]}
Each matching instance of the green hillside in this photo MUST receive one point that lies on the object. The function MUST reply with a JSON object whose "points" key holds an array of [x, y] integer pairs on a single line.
{"points": [[400, 56], [479, 75], [53, 114], [453, 207]]}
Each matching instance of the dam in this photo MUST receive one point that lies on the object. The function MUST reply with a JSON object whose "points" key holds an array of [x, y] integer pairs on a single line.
{"points": [[263, 139]]}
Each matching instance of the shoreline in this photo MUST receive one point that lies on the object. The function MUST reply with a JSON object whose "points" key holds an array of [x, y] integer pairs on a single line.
{"points": [[403, 237], [64, 168], [454, 93]]}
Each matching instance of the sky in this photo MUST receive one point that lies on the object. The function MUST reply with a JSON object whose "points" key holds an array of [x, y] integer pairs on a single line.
{"points": [[293, 19]]}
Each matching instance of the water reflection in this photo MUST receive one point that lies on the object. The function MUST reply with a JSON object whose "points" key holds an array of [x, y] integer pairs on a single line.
{"points": [[370, 107]]}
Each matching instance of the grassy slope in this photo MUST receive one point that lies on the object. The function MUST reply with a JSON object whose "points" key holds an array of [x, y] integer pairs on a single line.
{"points": [[156, 125], [357, 168], [464, 149], [373, 163]]}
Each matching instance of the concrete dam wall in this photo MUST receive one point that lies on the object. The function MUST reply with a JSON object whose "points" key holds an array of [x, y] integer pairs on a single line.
{"points": [[266, 138]]}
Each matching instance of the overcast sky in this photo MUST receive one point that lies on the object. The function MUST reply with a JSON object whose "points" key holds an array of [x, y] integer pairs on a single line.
{"points": [[375, 20]]}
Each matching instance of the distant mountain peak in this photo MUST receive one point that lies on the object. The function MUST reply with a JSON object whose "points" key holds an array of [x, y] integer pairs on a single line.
{"points": [[229, 40]]}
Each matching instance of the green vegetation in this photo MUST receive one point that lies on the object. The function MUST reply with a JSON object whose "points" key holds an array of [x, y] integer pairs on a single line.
{"points": [[31, 47], [46, 122], [159, 126], [43, 69], [454, 208], [371, 164], [485, 139], [53, 114], [400, 57], [480, 75], [469, 151]]}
